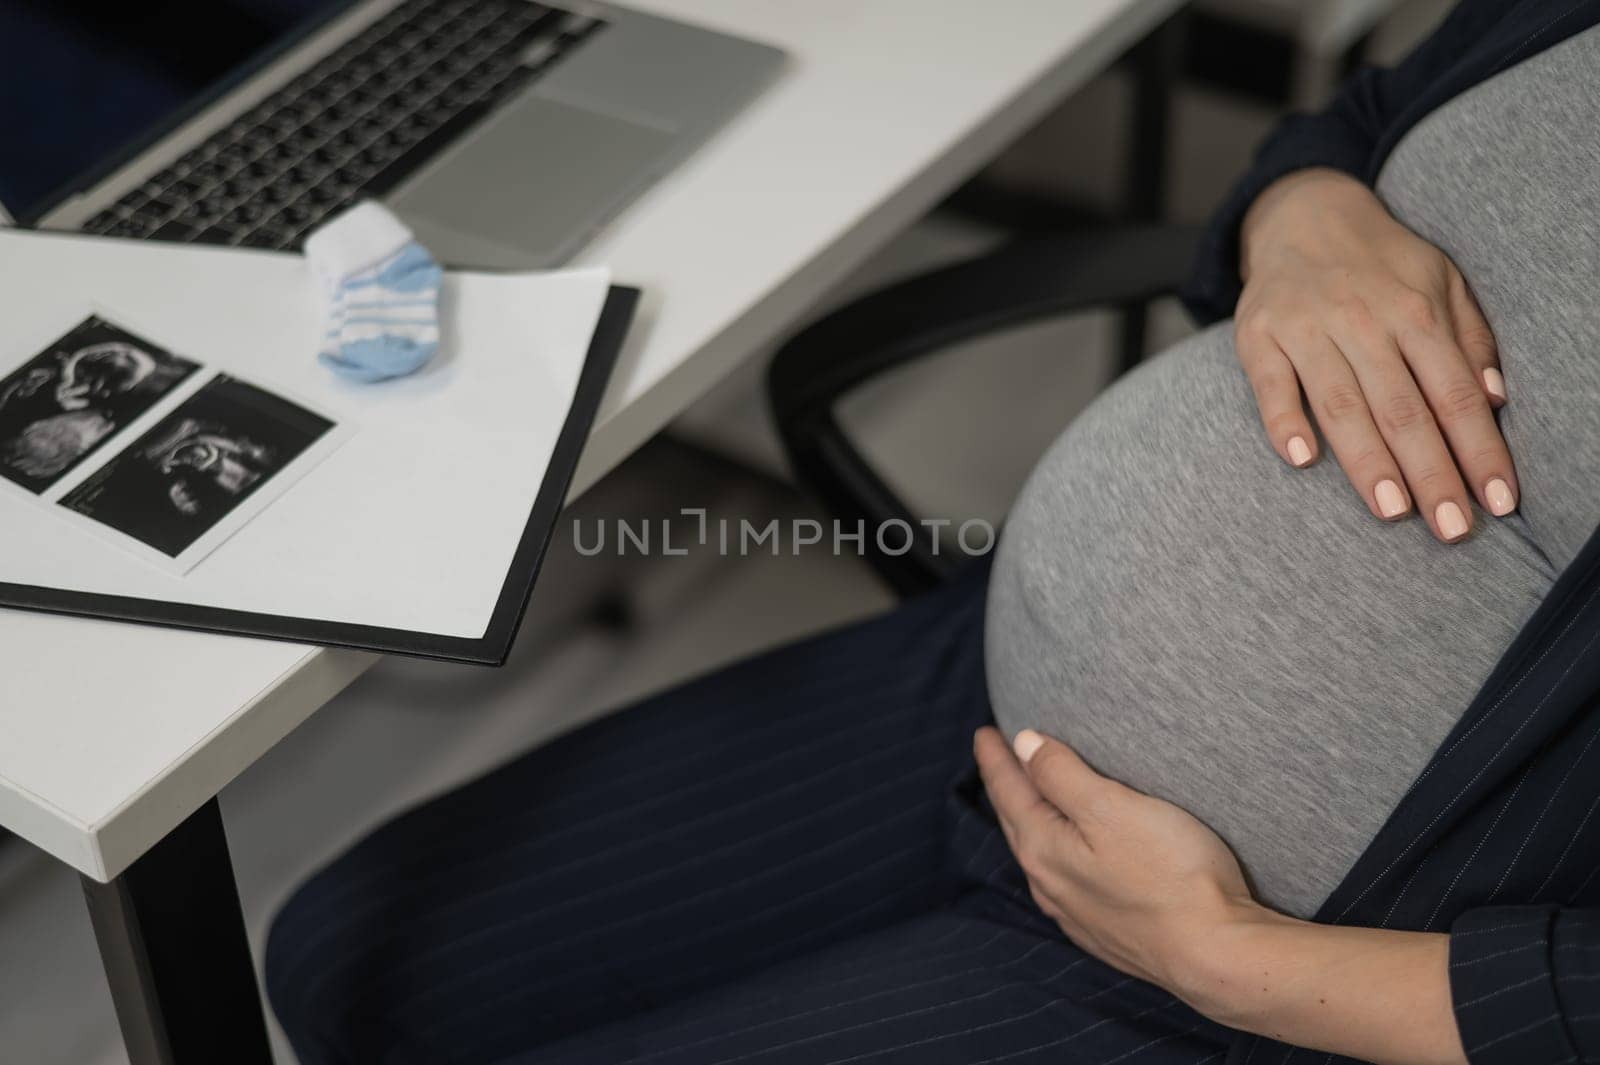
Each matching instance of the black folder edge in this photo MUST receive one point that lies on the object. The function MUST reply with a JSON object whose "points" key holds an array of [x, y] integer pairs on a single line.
{"points": [[490, 649]]}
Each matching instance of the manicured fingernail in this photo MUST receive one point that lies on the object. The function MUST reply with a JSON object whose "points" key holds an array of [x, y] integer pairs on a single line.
{"points": [[1452, 523], [1391, 501], [1299, 451], [1026, 744], [1501, 501], [1495, 382]]}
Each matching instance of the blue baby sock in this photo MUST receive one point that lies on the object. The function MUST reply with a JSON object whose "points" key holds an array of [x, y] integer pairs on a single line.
{"points": [[383, 290]]}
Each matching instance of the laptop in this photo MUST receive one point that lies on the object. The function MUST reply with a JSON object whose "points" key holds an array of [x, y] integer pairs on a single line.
{"points": [[504, 132]]}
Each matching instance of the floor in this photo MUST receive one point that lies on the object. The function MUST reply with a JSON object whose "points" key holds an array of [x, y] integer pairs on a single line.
{"points": [[606, 630]]}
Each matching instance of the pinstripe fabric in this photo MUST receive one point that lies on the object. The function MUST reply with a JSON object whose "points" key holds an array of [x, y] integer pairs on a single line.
{"points": [[786, 861], [790, 860]]}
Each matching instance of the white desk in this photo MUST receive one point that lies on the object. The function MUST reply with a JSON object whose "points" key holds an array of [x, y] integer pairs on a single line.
{"points": [[111, 735]]}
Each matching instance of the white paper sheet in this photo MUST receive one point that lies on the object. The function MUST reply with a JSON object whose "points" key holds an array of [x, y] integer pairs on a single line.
{"points": [[413, 521]]}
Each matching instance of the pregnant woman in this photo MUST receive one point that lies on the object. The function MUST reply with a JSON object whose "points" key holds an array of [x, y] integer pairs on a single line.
{"points": [[1264, 777]]}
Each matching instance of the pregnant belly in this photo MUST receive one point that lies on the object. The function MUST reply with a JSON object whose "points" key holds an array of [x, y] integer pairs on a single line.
{"points": [[1241, 638]]}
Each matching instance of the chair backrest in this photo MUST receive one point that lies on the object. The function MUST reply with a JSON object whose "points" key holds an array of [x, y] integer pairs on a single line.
{"points": [[1022, 282]]}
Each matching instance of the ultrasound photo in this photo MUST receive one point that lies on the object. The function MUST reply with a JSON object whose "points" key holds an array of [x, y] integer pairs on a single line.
{"points": [[198, 464], [62, 404]]}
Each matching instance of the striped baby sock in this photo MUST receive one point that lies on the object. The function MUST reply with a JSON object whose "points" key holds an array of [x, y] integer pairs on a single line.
{"points": [[383, 290]]}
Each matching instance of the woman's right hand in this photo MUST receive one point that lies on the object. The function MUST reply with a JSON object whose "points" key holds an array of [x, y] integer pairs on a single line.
{"points": [[1378, 328]]}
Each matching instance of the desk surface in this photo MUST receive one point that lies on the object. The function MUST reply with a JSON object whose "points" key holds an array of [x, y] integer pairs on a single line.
{"points": [[111, 734]]}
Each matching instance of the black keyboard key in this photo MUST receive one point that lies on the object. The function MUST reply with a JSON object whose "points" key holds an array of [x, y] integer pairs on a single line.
{"points": [[183, 190], [244, 218], [325, 201], [275, 237], [209, 173], [175, 230], [374, 157], [215, 235], [282, 154], [341, 144], [258, 173], [232, 157], [200, 213], [297, 177], [326, 158]]}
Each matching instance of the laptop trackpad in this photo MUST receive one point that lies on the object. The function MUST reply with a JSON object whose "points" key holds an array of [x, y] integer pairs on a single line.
{"points": [[527, 184]]}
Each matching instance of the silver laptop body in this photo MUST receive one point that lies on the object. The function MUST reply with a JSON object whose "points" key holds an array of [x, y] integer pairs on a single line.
{"points": [[504, 132]]}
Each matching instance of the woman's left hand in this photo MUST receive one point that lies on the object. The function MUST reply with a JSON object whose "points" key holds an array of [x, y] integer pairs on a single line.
{"points": [[1131, 879], [1147, 888]]}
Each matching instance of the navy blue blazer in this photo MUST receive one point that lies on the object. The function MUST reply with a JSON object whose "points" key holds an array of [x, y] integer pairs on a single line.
{"points": [[1373, 110], [1498, 840]]}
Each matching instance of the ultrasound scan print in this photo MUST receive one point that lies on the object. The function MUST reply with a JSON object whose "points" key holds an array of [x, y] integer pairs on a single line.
{"points": [[198, 464], [62, 404]]}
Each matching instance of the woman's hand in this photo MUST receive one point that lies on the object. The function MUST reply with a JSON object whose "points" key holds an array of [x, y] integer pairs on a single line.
{"points": [[1380, 331], [1147, 888], [1131, 879]]}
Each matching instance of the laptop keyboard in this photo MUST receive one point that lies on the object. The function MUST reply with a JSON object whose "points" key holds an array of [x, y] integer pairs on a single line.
{"points": [[352, 126]]}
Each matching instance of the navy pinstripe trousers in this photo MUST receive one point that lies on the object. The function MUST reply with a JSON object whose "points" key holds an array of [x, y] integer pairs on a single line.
{"points": [[788, 862]]}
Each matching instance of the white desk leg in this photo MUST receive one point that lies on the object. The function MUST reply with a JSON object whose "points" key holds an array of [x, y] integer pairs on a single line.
{"points": [[173, 942]]}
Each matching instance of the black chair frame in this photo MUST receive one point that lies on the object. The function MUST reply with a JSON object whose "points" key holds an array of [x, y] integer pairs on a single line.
{"points": [[1022, 282]]}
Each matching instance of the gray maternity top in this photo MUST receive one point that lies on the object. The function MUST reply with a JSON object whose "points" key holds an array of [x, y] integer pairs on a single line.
{"points": [[1244, 639]]}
